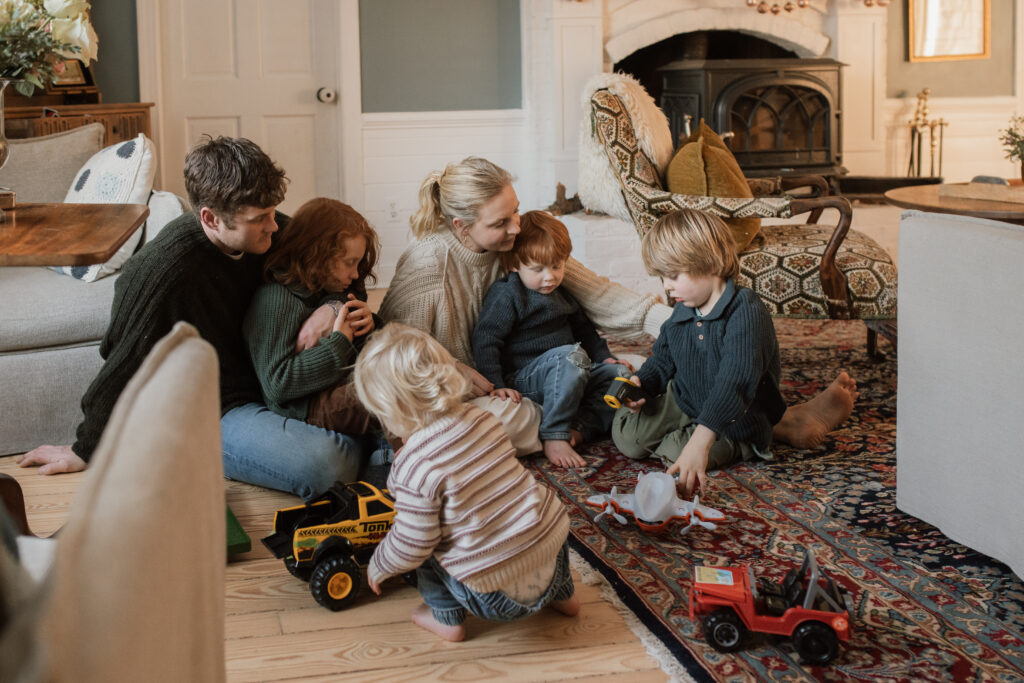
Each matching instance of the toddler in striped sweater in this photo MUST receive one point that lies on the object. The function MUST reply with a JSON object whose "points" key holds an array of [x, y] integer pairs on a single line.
{"points": [[482, 534]]}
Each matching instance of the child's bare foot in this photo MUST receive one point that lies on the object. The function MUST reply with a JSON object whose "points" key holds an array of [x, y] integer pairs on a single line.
{"points": [[569, 608], [575, 437], [805, 425], [424, 618], [562, 454]]}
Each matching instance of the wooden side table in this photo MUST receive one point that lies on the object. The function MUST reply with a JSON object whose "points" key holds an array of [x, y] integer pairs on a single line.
{"points": [[927, 198], [66, 234]]}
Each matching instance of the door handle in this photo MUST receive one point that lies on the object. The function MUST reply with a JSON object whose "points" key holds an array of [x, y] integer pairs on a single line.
{"points": [[326, 95]]}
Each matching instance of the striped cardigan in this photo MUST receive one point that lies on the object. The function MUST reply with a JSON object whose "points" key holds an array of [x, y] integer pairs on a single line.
{"points": [[461, 495]]}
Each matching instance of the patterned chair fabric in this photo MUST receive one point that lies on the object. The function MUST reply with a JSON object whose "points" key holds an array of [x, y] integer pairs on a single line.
{"points": [[782, 265]]}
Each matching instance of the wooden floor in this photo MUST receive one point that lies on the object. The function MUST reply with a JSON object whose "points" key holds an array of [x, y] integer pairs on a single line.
{"points": [[275, 631]]}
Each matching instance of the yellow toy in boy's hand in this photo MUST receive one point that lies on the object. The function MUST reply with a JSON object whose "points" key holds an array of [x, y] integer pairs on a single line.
{"points": [[622, 391]]}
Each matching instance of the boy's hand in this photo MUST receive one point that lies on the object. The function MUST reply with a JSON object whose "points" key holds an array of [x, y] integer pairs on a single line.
{"points": [[507, 394], [372, 584], [317, 325], [360, 318], [692, 464], [635, 406], [620, 361]]}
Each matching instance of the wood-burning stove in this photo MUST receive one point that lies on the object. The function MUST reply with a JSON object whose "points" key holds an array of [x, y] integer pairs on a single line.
{"points": [[783, 113]]}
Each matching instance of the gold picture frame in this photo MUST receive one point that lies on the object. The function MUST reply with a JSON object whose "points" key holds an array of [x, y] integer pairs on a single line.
{"points": [[948, 30], [72, 74]]}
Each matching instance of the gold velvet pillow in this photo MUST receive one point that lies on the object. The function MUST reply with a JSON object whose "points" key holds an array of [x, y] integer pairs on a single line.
{"points": [[705, 166]]}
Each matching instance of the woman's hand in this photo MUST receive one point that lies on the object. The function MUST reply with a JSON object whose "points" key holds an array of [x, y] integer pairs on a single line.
{"points": [[621, 361], [507, 394], [317, 325], [359, 317], [478, 384]]}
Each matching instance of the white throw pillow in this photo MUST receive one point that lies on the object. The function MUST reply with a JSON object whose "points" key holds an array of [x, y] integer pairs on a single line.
{"points": [[119, 174]]}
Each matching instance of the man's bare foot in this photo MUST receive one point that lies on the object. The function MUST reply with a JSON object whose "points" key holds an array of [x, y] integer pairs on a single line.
{"points": [[806, 425], [569, 608], [424, 618], [575, 437], [562, 454]]}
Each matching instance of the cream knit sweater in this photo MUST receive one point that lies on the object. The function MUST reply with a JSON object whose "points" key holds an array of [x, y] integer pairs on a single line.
{"points": [[439, 285]]}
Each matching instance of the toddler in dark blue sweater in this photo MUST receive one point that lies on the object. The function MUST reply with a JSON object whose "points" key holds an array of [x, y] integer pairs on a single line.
{"points": [[715, 367], [533, 339]]}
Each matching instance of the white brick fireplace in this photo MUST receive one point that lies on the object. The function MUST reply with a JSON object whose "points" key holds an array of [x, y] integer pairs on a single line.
{"points": [[565, 42]]}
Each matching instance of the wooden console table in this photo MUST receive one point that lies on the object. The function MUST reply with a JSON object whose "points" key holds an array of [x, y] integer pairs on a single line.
{"points": [[122, 121], [66, 234]]}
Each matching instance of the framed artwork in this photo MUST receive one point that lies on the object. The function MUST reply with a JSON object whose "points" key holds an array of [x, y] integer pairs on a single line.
{"points": [[945, 30], [74, 77]]}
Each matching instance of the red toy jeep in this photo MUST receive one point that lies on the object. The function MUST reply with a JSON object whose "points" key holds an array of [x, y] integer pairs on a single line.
{"points": [[806, 605]]}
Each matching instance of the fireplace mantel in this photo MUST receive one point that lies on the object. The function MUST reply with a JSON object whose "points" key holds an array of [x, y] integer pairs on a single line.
{"points": [[587, 37]]}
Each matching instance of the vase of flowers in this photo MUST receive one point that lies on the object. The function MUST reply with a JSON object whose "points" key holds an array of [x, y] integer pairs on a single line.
{"points": [[36, 36], [1013, 141]]}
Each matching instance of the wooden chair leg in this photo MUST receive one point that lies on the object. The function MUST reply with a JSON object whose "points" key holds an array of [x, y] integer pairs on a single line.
{"points": [[14, 503], [872, 343]]}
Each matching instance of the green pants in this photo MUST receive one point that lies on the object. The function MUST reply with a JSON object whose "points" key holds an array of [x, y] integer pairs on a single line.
{"points": [[665, 430]]}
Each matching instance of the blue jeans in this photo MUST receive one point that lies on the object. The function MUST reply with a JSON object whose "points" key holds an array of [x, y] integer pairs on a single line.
{"points": [[449, 600], [263, 448], [570, 389]]}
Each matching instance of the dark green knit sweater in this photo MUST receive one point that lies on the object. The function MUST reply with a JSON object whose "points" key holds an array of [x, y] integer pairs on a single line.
{"points": [[180, 275], [289, 379], [725, 366]]}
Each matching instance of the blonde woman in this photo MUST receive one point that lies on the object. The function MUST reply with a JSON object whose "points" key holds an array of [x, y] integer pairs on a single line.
{"points": [[469, 214]]}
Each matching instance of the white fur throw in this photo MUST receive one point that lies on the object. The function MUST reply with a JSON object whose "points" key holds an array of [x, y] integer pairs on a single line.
{"points": [[598, 186]]}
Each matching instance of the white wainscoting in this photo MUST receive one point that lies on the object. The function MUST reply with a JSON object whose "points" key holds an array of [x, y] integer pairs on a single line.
{"points": [[400, 150]]}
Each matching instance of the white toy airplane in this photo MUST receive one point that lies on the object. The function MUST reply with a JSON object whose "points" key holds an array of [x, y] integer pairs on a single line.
{"points": [[654, 505]]}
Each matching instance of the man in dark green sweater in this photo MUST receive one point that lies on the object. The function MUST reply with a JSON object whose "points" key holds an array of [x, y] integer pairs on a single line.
{"points": [[203, 268]]}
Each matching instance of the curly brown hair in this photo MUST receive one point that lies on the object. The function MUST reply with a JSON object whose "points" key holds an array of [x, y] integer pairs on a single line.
{"points": [[313, 241], [226, 174]]}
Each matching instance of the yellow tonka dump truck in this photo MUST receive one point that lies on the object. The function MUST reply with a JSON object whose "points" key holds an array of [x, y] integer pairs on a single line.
{"points": [[327, 540]]}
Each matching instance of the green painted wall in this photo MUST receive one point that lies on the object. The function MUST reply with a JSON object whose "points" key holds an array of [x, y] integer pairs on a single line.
{"points": [[440, 55], [117, 69], [963, 78]]}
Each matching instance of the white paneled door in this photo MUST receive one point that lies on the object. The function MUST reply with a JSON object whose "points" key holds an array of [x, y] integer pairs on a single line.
{"points": [[266, 70]]}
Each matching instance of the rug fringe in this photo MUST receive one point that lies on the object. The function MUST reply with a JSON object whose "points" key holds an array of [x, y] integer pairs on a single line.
{"points": [[655, 648]]}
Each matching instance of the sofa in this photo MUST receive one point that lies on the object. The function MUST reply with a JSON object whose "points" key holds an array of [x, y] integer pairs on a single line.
{"points": [[961, 321], [52, 322]]}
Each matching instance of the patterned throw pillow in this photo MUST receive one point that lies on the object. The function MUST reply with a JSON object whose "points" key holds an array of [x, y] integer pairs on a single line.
{"points": [[705, 166], [119, 174]]}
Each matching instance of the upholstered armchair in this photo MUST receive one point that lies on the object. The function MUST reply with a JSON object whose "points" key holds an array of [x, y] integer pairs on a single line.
{"points": [[807, 270], [132, 587]]}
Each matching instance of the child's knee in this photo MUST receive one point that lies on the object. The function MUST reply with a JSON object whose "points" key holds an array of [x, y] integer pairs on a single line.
{"points": [[626, 434], [578, 357]]}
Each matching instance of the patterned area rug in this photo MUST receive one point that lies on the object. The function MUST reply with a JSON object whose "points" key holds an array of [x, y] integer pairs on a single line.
{"points": [[926, 608]]}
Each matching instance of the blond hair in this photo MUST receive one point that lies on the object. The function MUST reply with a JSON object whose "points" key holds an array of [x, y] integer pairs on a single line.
{"points": [[407, 379], [691, 242], [542, 239], [457, 192]]}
